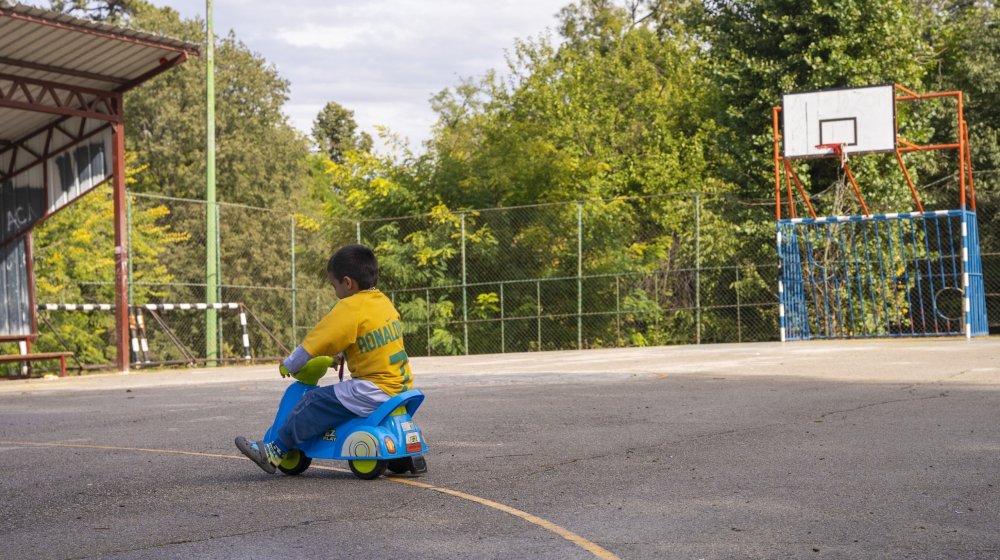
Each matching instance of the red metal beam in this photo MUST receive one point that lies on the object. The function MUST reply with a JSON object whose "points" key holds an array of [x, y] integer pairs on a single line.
{"points": [[121, 247], [165, 64], [50, 85], [43, 96], [60, 70], [34, 107]]}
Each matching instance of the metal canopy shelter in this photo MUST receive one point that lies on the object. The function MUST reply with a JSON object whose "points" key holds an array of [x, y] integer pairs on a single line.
{"points": [[62, 80]]}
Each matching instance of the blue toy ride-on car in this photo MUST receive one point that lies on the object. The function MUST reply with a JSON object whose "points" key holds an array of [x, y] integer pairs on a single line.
{"points": [[387, 439]]}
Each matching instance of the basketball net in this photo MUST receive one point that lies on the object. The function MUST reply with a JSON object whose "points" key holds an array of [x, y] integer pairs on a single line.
{"points": [[840, 196]]}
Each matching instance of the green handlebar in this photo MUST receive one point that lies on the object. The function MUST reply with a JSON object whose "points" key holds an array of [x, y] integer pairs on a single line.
{"points": [[314, 370]]}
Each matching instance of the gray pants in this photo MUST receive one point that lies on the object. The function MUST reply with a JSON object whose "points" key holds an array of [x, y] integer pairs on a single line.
{"points": [[318, 411]]}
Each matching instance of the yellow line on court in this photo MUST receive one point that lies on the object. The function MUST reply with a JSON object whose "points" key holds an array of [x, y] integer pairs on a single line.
{"points": [[545, 524], [583, 543], [115, 448]]}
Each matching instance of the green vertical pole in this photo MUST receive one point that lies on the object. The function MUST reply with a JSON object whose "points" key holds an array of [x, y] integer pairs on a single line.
{"points": [[739, 323], [294, 291], [219, 280], [503, 332], [697, 267], [211, 217], [357, 227], [465, 292], [618, 308], [579, 275], [656, 298], [538, 311]]}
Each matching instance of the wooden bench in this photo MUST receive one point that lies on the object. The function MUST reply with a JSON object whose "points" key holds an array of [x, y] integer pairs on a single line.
{"points": [[61, 356]]}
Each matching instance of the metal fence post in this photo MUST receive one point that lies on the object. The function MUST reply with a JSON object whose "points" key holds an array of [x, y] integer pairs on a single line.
{"points": [[538, 311], [218, 271], [618, 308], [211, 283], [212, 346], [465, 293], [579, 275], [739, 325], [294, 290], [503, 333], [697, 267], [656, 298]]}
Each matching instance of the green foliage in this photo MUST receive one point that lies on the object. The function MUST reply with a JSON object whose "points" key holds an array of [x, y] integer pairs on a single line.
{"points": [[487, 305], [761, 49], [74, 263], [634, 148], [612, 112], [107, 11], [335, 130], [260, 158], [968, 41], [421, 314]]}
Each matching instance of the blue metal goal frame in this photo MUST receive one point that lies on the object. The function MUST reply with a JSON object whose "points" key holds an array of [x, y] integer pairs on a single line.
{"points": [[884, 275]]}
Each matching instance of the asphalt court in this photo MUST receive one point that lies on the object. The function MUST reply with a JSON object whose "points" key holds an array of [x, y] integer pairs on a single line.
{"points": [[854, 449]]}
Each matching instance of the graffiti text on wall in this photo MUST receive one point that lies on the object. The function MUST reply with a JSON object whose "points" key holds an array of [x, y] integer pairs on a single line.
{"points": [[77, 171]]}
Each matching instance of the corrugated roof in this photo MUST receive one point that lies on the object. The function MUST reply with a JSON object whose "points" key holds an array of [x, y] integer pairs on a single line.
{"points": [[42, 49]]}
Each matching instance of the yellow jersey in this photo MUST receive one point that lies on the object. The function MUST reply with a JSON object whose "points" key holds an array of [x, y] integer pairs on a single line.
{"points": [[367, 328]]}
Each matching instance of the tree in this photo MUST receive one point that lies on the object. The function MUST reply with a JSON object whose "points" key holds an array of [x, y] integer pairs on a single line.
{"points": [[261, 161], [761, 49], [260, 158], [968, 41], [336, 132], [74, 262], [615, 111], [107, 11]]}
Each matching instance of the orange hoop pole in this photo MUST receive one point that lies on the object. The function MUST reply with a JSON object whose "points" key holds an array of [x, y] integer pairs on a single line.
{"points": [[916, 96], [791, 199], [798, 184], [777, 172], [857, 191], [961, 152], [906, 173], [913, 148], [906, 90], [968, 160]]}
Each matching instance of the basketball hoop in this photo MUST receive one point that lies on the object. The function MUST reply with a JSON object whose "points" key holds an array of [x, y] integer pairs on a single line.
{"points": [[838, 150]]}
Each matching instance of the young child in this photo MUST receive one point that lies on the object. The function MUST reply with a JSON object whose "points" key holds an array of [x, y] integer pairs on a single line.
{"points": [[377, 362]]}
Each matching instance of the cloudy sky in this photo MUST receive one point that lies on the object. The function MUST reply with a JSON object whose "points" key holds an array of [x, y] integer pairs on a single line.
{"points": [[383, 59]]}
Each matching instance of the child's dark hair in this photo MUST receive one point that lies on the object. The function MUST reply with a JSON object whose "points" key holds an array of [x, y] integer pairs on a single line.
{"points": [[356, 261]]}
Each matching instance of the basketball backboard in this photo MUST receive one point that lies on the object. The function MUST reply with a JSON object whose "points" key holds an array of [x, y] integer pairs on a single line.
{"points": [[862, 120]]}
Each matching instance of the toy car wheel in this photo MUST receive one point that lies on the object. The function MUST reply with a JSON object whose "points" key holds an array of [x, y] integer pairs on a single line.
{"points": [[367, 470], [295, 462]]}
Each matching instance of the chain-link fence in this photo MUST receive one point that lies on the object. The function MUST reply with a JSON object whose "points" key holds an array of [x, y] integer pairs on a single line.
{"points": [[672, 269]]}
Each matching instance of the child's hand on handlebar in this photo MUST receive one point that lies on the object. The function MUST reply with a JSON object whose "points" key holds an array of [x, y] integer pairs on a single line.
{"points": [[310, 373]]}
